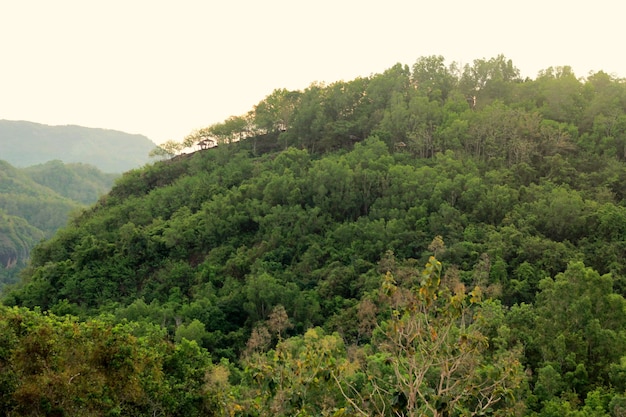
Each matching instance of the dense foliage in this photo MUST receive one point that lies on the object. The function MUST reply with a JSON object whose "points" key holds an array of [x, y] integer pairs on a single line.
{"points": [[79, 182], [293, 253]]}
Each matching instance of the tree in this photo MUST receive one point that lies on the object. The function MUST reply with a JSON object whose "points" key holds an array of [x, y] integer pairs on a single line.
{"points": [[295, 378], [433, 78], [559, 96], [487, 80], [308, 122], [167, 149], [60, 366], [433, 355], [232, 129], [276, 111], [581, 321]]}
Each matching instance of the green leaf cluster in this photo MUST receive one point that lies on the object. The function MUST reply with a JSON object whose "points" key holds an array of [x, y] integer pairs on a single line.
{"points": [[53, 365]]}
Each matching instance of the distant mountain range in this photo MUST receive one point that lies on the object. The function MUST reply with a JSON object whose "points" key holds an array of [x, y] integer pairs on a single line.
{"points": [[23, 144], [49, 172]]}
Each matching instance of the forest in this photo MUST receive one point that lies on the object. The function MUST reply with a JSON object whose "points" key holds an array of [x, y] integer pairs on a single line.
{"points": [[435, 240]]}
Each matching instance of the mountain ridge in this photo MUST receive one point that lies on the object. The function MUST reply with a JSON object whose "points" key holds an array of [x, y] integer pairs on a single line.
{"points": [[26, 143]]}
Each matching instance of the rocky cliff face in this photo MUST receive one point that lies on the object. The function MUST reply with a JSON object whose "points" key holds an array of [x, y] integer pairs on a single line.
{"points": [[17, 237], [14, 249]]}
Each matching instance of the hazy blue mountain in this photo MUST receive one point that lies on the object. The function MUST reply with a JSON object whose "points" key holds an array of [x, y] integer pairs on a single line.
{"points": [[23, 144]]}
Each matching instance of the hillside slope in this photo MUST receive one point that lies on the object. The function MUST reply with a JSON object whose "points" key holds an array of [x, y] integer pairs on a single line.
{"points": [[36, 201], [41, 206], [76, 181], [294, 251]]}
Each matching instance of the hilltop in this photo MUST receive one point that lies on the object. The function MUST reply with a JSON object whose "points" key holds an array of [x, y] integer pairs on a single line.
{"points": [[426, 241]]}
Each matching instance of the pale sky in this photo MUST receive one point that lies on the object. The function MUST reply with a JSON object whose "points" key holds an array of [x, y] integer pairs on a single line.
{"points": [[163, 68]]}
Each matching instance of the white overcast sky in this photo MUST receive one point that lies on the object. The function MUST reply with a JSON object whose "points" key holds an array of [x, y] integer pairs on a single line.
{"points": [[164, 68]]}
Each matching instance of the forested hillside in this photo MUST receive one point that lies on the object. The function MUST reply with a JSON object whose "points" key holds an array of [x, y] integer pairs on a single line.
{"points": [[79, 182], [36, 201], [27, 143], [432, 240]]}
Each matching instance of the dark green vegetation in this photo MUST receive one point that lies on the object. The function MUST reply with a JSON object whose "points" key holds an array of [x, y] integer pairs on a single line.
{"points": [[35, 202], [26, 143], [289, 272]]}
